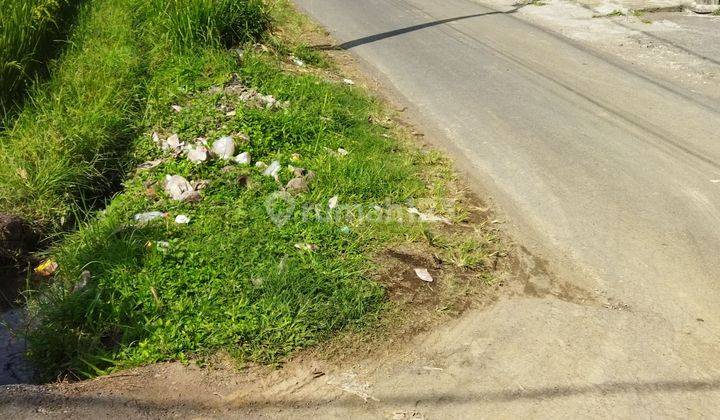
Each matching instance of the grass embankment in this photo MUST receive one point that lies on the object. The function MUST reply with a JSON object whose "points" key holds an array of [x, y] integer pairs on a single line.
{"points": [[68, 148], [234, 278], [31, 33]]}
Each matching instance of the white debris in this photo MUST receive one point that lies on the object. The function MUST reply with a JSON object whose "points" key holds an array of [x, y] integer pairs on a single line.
{"points": [[173, 144], [156, 138], [715, 181], [177, 108], [298, 62], [273, 169], [143, 218], [424, 275], [179, 189], [224, 148], [260, 164], [342, 152], [333, 202], [231, 113], [243, 158], [425, 217], [182, 219], [198, 154], [348, 82]]}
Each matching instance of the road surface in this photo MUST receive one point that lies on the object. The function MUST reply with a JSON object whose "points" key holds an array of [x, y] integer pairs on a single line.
{"points": [[611, 175]]}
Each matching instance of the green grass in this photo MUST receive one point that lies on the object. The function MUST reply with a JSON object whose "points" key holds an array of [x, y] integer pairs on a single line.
{"points": [[31, 33], [69, 146], [232, 279]]}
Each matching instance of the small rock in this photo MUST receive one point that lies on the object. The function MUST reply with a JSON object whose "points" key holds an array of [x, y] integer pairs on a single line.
{"points": [[333, 202], [342, 152], [173, 144], [297, 185], [348, 82], [177, 108], [298, 62], [224, 148], [191, 197], [424, 275], [231, 113], [200, 185], [243, 158], [424, 217]]}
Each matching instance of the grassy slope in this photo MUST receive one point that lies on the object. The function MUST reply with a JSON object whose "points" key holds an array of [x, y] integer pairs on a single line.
{"points": [[232, 279], [66, 142], [69, 147], [30, 34]]}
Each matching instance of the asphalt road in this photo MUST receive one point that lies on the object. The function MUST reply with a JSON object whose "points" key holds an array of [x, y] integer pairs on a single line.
{"points": [[611, 175]]}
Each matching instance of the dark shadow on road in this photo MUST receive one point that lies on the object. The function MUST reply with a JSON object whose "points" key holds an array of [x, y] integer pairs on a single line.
{"points": [[13, 399], [378, 37]]}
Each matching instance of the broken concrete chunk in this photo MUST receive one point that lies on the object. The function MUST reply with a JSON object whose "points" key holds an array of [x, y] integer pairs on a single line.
{"points": [[177, 187], [198, 154], [224, 148], [273, 169], [424, 275], [173, 144], [243, 158]]}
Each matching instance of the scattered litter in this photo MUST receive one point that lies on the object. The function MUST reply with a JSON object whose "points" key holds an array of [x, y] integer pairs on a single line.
{"points": [[297, 185], [307, 247], [424, 217], [316, 372], [231, 113], [179, 189], [173, 144], [273, 169], [407, 415], [432, 368], [424, 275], [342, 152], [333, 202], [156, 138], [243, 158], [177, 108], [198, 154], [143, 218], [298, 62], [224, 148], [182, 219], [348, 82], [151, 164], [252, 97], [47, 268]]}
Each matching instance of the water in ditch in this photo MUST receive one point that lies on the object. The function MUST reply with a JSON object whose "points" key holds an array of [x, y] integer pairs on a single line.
{"points": [[14, 368]]}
